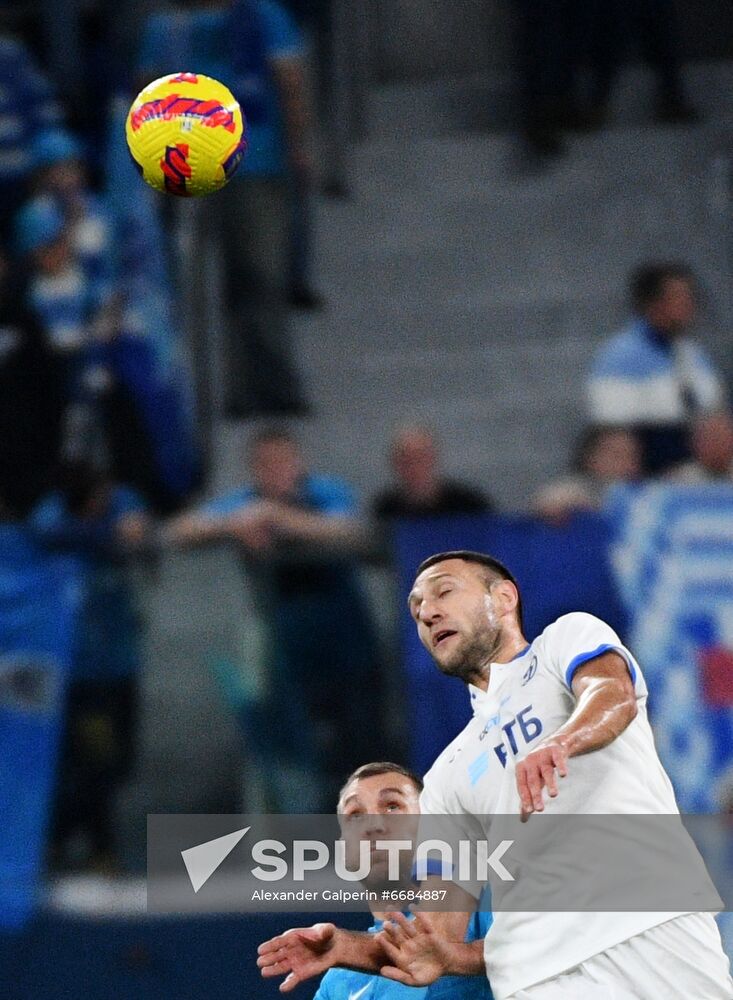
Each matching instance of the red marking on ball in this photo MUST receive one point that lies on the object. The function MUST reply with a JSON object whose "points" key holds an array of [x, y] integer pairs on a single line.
{"points": [[176, 169]]}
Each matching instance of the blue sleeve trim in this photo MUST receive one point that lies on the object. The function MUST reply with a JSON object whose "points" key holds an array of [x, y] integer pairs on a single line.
{"points": [[433, 867], [582, 658]]}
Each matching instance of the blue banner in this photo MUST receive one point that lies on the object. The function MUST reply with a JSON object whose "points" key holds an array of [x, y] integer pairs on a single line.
{"points": [[559, 569], [37, 611], [673, 555]]}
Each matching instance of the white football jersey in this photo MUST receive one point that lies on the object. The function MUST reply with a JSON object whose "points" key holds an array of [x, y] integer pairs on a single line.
{"points": [[527, 700]]}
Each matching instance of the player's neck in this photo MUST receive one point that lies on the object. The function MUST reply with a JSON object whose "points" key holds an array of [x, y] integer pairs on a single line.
{"points": [[508, 646], [511, 645]]}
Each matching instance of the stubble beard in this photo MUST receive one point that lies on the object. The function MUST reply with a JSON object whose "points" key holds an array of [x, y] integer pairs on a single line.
{"points": [[471, 659]]}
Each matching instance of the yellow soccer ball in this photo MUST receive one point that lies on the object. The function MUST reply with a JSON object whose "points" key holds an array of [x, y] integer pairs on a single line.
{"points": [[186, 134]]}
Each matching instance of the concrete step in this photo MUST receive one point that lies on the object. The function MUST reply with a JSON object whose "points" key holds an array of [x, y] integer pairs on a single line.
{"points": [[470, 292], [488, 100]]}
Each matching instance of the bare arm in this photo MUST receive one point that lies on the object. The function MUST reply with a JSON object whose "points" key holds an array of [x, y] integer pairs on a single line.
{"points": [[304, 952], [193, 529], [606, 706], [251, 525], [307, 526]]}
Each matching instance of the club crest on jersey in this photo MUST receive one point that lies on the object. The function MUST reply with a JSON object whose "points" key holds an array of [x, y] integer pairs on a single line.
{"points": [[530, 671]]}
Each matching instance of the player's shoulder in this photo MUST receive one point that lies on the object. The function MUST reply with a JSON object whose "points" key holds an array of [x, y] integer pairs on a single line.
{"points": [[574, 624], [331, 982], [571, 619], [331, 985], [340, 984]]}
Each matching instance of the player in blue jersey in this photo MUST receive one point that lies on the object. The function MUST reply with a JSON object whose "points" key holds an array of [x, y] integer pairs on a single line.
{"points": [[376, 791]]}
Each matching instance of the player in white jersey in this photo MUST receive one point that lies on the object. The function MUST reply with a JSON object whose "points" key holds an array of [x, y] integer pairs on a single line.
{"points": [[572, 705]]}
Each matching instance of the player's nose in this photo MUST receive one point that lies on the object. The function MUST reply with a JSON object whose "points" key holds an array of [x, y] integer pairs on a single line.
{"points": [[428, 613], [376, 824]]}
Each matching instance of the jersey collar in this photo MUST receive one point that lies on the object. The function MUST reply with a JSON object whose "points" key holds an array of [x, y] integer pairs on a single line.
{"points": [[480, 697], [521, 653]]}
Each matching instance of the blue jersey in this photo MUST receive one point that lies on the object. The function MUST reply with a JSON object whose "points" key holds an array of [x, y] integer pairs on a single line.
{"points": [[344, 984]]}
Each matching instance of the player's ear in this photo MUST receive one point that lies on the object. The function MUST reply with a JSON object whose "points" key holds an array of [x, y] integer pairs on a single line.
{"points": [[506, 597]]}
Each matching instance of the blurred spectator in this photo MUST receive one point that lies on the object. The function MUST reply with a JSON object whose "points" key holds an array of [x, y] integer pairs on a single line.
{"points": [[27, 105], [59, 290], [563, 45], [612, 26], [543, 62], [604, 455], [313, 18], [330, 28], [116, 404], [61, 297], [59, 170], [652, 376], [31, 400], [300, 536], [712, 451], [255, 48], [96, 524], [420, 489]]}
